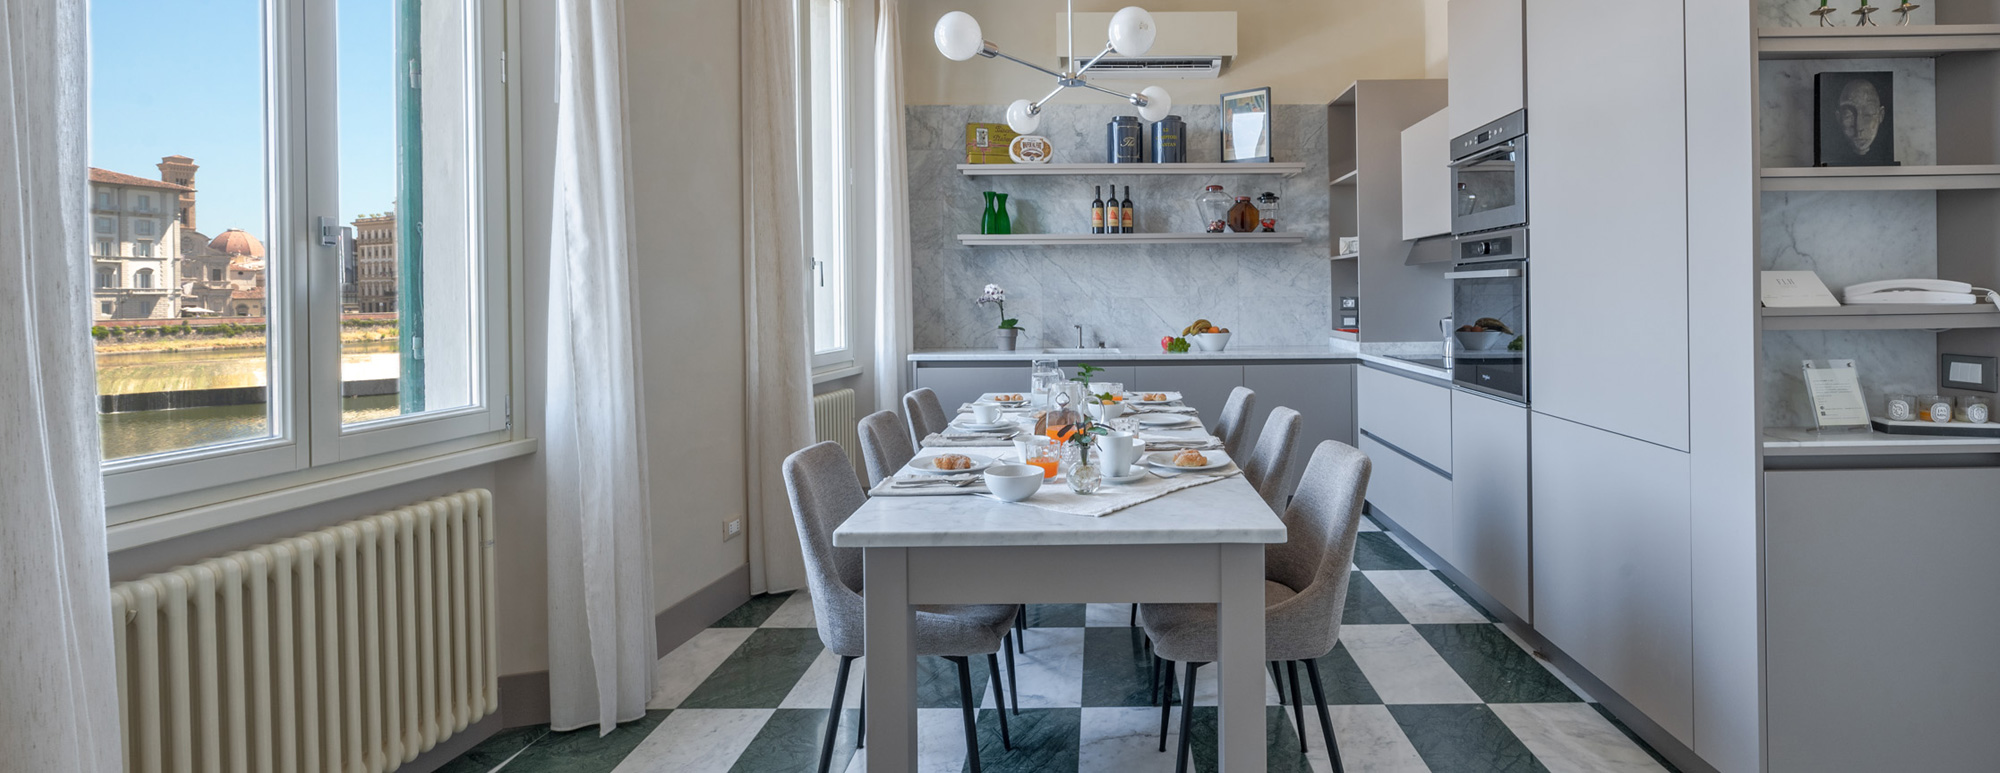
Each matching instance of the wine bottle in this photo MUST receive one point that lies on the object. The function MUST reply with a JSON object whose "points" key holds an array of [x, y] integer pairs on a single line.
{"points": [[1097, 222], [1125, 212]]}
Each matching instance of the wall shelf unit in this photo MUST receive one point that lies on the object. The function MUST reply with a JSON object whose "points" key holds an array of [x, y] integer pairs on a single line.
{"points": [[1350, 179], [1882, 178], [1806, 441], [1876, 42], [1054, 240], [1099, 170], [1902, 316]]}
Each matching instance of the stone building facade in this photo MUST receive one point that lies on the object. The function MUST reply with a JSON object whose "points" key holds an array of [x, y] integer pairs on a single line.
{"points": [[375, 263], [135, 242]]}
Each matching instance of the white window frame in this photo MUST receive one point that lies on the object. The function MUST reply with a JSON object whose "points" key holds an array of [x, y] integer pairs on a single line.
{"points": [[165, 495], [845, 360]]}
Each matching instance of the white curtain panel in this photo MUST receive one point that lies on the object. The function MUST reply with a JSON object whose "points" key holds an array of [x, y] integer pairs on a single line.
{"points": [[601, 634], [893, 295], [59, 710], [778, 356]]}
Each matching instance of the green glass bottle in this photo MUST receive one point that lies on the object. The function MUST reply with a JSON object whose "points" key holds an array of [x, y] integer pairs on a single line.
{"points": [[1002, 224]]}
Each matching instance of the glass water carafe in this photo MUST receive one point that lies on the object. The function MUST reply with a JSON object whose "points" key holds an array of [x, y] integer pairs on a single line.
{"points": [[1065, 411]]}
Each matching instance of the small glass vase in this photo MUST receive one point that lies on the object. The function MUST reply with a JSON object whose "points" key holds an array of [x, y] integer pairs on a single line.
{"points": [[995, 220], [1083, 476]]}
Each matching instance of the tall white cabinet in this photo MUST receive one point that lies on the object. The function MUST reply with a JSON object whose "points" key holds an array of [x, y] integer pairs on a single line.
{"points": [[1485, 67]]}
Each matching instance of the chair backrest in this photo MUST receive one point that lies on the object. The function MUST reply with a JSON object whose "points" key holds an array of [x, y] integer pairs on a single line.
{"points": [[924, 413], [885, 445], [1314, 558], [1235, 419], [1269, 462], [824, 493]]}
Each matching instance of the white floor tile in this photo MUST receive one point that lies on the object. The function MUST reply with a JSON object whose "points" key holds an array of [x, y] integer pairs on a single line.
{"points": [[696, 741], [1574, 738], [676, 676], [1369, 740], [1205, 685], [1051, 674], [1126, 739], [1107, 615], [815, 689], [940, 743], [1368, 524], [796, 612], [1423, 598], [1402, 666]]}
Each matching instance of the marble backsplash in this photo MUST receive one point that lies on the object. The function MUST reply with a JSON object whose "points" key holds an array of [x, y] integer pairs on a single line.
{"points": [[1124, 296], [1785, 88], [1798, 13]]}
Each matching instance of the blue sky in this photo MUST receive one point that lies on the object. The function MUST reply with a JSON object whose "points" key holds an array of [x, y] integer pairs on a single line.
{"points": [[193, 85]]}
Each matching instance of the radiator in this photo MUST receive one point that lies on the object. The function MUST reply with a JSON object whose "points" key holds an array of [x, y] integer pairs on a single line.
{"points": [[834, 419], [352, 648]]}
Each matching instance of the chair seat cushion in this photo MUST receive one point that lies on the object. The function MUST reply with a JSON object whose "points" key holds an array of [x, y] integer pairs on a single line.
{"points": [[1187, 632], [962, 629]]}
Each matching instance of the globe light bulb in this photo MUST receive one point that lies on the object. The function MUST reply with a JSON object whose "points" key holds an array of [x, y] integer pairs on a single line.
{"points": [[1158, 104], [958, 36], [1132, 31], [1022, 117]]}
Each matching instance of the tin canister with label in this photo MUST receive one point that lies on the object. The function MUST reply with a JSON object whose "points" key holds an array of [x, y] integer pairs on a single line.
{"points": [[1169, 140], [1123, 141]]}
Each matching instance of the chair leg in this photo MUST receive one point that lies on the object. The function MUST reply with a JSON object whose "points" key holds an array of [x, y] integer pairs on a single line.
{"points": [[1153, 683], [1298, 706], [1187, 720], [861, 722], [1021, 625], [1135, 616], [1279, 680], [1013, 682], [999, 699], [833, 717], [965, 707], [1166, 703], [1325, 722]]}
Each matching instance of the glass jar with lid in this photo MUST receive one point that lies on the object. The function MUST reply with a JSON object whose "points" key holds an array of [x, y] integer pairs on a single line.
{"points": [[1267, 207], [1213, 204], [1243, 217]]}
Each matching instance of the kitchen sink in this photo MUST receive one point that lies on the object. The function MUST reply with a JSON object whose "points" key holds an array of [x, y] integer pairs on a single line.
{"points": [[1090, 350]]}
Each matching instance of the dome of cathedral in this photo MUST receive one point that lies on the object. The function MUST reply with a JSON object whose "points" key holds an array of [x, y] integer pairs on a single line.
{"points": [[236, 241]]}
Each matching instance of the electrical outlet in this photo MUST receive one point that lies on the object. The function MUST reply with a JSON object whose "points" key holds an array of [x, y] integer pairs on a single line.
{"points": [[732, 529]]}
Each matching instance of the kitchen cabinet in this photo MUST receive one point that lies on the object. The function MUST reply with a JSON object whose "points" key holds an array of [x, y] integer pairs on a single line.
{"points": [[1427, 178], [1879, 619], [957, 385], [1322, 393], [1613, 563], [1486, 66], [1203, 387], [1411, 414], [1412, 496], [1607, 143], [1489, 503]]}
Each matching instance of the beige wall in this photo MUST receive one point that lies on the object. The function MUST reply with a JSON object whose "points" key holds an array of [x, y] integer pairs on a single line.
{"points": [[1307, 51]]}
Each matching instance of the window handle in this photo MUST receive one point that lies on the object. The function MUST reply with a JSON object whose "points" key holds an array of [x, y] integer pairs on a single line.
{"points": [[329, 232]]}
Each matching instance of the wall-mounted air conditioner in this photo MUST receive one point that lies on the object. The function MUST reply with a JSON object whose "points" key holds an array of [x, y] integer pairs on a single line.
{"points": [[1190, 44]]}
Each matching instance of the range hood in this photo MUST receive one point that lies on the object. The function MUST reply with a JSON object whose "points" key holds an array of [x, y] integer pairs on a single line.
{"points": [[1190, 45]]}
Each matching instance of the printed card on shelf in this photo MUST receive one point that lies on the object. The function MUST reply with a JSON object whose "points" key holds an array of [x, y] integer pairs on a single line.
{"points": [[1795, 289]]}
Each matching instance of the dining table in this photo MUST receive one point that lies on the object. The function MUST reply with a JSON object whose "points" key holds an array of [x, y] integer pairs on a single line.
{"points": [[1196, 544]]}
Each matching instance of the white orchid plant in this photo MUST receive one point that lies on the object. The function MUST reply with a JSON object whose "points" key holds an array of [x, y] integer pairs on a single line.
{"points": [[997, 296]]}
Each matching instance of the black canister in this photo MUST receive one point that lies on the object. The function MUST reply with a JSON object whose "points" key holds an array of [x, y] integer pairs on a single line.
{"points": [[1168, 147], [1123, 143]]}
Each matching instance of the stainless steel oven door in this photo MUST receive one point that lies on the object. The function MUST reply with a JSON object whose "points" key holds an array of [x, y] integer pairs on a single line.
{"points": [[1493, 360], [1489, 175]]}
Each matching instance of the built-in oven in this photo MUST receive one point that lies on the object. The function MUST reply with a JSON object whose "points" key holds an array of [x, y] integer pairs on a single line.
{"points": [[1489, 307], [1489, 176]]}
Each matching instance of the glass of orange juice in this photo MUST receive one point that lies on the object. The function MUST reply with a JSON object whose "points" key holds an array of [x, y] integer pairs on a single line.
{"points": [[1042, 453]]}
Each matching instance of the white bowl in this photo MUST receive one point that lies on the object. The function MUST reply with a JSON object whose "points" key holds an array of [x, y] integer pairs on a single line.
{"points": [[1107, 411], [1211, 342], [1482, 341], [1014, 482]]}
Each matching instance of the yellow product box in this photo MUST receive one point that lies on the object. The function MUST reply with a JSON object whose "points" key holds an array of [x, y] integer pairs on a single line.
{"points": [[986, 143]]}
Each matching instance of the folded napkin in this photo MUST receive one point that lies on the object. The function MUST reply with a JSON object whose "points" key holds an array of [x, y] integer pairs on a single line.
{"points": [[1131, 407], [935, 440], [1111, 498], [967, 408], [914, 485], [1155, 443]]}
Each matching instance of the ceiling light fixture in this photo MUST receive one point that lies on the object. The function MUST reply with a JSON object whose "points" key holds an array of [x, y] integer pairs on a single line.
{"points": [[958, 37]]}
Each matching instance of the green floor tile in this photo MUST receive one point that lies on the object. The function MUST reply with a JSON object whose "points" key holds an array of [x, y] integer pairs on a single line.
{"points": [[1342, 680], [761, 672], [583, 751], [1053, 616], [1493, 665], [1281, 738], [754, 612], [1374, 550], [1366, 605], [791, 740], [1117, 668], [937, 682], [1045, 741], [497, 749], [1464, 738]]}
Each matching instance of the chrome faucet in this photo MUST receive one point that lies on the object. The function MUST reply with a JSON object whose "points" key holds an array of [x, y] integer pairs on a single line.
{"points": [[1445, 326]]}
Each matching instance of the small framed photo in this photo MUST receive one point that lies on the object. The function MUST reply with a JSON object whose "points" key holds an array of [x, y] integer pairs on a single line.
{"points": [[1854, 119], [1246, 126]]}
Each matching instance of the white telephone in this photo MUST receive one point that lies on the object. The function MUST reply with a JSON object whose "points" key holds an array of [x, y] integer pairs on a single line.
{"points": [[1930, 291]]}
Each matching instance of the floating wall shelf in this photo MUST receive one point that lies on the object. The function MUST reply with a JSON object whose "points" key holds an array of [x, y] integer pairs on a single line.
{"points": [[1805, 441], [1098, 170], [1347, 179], [1875, 42], [1882, 317], [1882, 178], [1049, 240]]}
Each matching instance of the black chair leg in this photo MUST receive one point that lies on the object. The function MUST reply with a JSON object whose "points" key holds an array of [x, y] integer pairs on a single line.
{"points": [[1135, 616], [1298, 706], [1325, 722], [833, 717], [965, 706], [1279, 680], [1187, 720], [999, 699], [1021, 625], [1153, 683], [1013, 683], [861, 722], [1166, 704]]}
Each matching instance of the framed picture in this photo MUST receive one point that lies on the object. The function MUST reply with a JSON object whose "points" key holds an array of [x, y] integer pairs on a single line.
{"points": [[1246, 125], [1854, 119]]}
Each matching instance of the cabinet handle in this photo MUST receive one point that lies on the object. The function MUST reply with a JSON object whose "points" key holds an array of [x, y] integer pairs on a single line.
{"points": [[1496, 273]]}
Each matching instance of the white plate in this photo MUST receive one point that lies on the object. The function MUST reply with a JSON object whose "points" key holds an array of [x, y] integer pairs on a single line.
{"points": [[994, 397], [1165, 460], [973, 426], [1165, 419], [1140, 397], [1138, 474], [924, 464]]}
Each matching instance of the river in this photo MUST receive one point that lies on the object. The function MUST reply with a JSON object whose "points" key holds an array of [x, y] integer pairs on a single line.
{"points": [[148, 432]]}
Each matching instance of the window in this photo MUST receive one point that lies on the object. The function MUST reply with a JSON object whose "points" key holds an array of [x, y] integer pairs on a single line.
{"points": [[827, 104], [107, 277], [340, 109], [104, 308], [106, 249], [103, 199], [142, 249]]}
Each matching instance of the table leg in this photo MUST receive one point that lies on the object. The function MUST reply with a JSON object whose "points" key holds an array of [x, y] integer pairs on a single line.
{"points": [[892, 663], [1240, 670]]}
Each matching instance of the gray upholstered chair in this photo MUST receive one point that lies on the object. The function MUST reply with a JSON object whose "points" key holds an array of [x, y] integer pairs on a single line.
{"points": [[1270, 460], [925, 415], [824, 494], [1234, 421], [1305, 588], [885, 445]]}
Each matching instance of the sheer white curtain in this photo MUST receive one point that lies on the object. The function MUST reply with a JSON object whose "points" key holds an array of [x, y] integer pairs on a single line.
{"points": [[601, 640], [778, 344], [60, 710], [892, 212]]}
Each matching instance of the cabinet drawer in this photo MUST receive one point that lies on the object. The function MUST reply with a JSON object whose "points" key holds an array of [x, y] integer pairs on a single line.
{"points": [[1409, 414], [1412, 496]]}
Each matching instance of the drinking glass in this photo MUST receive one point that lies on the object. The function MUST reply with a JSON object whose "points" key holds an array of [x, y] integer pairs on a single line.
{"points": [[1046, 374], [1900, 407], [1042, 452]]}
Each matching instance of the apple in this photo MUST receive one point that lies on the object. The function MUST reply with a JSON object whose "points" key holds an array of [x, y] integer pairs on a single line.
{"points": [[1165, 342]]}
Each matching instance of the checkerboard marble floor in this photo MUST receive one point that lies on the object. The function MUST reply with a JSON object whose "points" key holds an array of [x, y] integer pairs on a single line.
{"points": [[1422, 680]]}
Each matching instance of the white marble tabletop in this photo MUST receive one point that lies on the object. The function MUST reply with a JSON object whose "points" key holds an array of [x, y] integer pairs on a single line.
{"points": [[1149, 351]]}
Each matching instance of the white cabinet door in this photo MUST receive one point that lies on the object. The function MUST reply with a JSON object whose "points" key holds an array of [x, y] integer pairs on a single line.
{"points": [[1409, 414], [1613, 557], [1486, 62], [1411, 496], [1607, 284], [1489, 503], [1427, 178]]}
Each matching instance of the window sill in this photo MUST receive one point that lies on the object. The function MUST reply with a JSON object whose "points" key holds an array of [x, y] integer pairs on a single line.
{"points": [[835, 373], [140, 528]]}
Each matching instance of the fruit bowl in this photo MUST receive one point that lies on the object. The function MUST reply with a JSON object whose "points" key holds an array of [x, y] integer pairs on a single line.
{"points": [[1211, 342], [1483, 341]]}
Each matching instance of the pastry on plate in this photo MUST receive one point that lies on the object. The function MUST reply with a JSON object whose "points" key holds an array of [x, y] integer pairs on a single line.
{"points": [[952, 462], [1008, 398], [1189, 457], [1153, 397]]}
